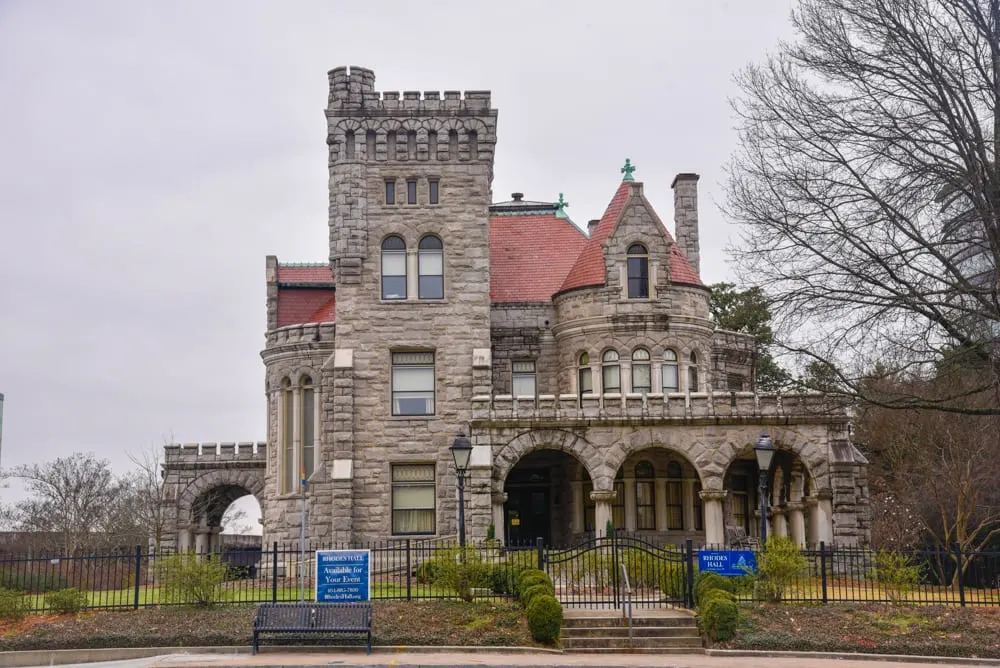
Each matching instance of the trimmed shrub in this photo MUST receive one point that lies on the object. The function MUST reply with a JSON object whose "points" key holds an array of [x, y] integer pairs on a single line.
{"points": [[461, 572], [191, 579], [673, 579], [778, 566], [527, 581], [545, 618], [718, 615], [67, 601], [13, 605], [544, 589], [708, 580], [896, 573]]}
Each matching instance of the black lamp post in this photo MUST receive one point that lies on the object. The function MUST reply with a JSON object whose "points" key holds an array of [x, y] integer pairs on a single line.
{"points": [[461, 450], [765, 453]]}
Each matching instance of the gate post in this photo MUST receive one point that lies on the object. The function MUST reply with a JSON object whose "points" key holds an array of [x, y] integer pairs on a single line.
{"points": [[822, 568], [539, 545], [689, 575], [614, 565], [274, 573]]}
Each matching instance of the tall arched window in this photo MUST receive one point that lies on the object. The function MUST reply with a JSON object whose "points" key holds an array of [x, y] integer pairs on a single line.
{"points": [[585, 376], [642, 377], [287, 436], [693, 372], [430, 268], [638, 272], [611, 372], [675, 503], [668, 372], [645, 496], [393, 268], [307, 462]]}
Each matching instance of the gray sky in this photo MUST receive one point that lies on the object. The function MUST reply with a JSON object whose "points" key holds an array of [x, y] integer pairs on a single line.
{"points": [[151, 155]]}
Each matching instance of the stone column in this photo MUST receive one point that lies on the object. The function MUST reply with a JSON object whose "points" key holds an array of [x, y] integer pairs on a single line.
{"points": [[715, 528], [796, 522], [412, 282], [661, 504], [202, 540], [629, 490], [576, 516], [687, 499], [812, 504], [499, 498], [825, 506], [184, 537], [602, 510], [778, 524]]}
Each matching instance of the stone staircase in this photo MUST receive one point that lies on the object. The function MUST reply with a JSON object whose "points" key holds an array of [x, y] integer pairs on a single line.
{"points": [[654, 631]]}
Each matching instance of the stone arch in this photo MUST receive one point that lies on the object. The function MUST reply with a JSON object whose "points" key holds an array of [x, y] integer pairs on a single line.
{"points": [[226, 483], [640, 440], [810, 453], [551, 439]]}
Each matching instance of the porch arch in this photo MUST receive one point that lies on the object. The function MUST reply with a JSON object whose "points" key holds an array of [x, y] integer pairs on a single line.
{"points": [[551, 439]]}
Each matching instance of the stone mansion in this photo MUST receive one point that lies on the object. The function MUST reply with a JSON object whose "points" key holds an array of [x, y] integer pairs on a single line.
{"points": [[583, 365]]}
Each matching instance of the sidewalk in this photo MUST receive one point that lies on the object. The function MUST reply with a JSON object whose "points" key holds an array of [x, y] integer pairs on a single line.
{"points": [[548, 660]]}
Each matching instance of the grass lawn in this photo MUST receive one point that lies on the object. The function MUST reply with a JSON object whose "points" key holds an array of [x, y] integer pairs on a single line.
{"points": [[872, 628], [395, 623]]}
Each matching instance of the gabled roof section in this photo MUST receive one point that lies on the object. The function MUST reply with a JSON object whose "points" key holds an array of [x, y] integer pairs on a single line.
{"points": [[530, 254], [305, 274], [589, 267]]}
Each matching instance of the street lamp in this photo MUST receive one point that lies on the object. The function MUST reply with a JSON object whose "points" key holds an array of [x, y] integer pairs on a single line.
{"points": [[461, 450], [765, 453]]}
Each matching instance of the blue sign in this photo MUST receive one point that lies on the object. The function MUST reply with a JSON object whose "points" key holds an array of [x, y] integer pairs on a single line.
{"points": [[343, 575], [727, 562]]}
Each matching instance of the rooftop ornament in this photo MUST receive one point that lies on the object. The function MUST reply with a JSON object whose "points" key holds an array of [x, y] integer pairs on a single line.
{"points": [[561, 207], [627, 170]]}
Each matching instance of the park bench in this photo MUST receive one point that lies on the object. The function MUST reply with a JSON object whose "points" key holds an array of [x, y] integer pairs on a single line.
{"points": [[300, 620]]}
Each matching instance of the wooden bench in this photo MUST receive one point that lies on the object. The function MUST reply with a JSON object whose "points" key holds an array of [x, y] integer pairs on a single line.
{"points": [[305, 619]]}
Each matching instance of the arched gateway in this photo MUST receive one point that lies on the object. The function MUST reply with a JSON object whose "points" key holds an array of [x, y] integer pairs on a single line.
{"points": [[200, 481]]}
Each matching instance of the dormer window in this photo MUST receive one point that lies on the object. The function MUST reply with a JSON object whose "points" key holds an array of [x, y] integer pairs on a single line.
{"points": [[638, 272]]}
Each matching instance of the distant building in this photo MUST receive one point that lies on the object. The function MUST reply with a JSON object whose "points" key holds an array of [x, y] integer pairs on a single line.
{"points": [[583, 366]]}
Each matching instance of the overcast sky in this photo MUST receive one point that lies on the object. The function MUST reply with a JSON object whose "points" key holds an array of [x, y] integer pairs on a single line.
{"points": [[151, 155]]}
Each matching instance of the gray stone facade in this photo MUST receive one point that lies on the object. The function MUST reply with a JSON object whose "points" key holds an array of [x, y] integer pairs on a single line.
{"points": [[666, 462]]}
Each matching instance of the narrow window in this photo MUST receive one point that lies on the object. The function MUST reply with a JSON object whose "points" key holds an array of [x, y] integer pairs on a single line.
{"points": [[432, 145], [287, 444], [453, 144], [645, 496], [393, 268], [411, 145], [693, 373], [390, 192], [642, 377], [430, 268], [611, 375], [638, 272], [671, 380], [349, 144], [741, 502], [411, 192], [699, 513], [585, 375], [675, 503], [589, 507], [413, 383], [523, 379], [390, 145], [412, 499], [433, 192], [473, 145], [618, 505], [307, 464], [370, 144]]}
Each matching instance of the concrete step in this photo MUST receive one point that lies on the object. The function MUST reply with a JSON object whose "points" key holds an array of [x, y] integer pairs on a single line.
{"points": [[622, 631], [636, 650], [575, 621], [623, 643]]}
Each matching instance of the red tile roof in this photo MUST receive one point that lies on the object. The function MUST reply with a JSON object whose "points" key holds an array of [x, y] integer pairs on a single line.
{"points": [[530, 256], [305, 273], [589, 267], [681, 270], [304, 305]]}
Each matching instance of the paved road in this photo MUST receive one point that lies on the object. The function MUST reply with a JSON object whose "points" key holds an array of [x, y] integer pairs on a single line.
{"points": [[460, 660]]}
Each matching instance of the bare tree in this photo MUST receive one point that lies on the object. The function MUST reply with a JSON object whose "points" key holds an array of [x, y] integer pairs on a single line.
{"points": [[146, 481], [868, 184]]}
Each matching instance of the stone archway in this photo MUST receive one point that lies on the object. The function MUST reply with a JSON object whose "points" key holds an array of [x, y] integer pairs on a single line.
{"points": [[507, 457]]}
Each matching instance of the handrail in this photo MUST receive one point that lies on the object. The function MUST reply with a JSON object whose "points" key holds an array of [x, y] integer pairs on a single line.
{"points": [[627, 592]]}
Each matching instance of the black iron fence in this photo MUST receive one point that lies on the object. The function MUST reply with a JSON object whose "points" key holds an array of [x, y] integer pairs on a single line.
{"points": [[587, 574]]}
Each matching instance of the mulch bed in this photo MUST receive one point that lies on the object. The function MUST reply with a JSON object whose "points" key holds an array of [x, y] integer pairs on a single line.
{"points": [[870, 628], [396, 623]]}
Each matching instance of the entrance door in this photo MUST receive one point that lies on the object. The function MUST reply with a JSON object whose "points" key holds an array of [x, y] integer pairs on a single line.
{"points": [[527, 515]]}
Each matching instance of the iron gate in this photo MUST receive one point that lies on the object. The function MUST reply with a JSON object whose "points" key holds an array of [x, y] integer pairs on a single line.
{"points": [[590, 574]]}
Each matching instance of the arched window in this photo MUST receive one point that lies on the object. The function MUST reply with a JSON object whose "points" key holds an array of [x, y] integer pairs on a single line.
{"points": [[693, 373], [430, 268], [307, 461], [675, 503], [642, 377], [393, 268], [287, 442], [668, 372], [638, 272], [585, 375], [645, 496], [349, 144], [370, 145], [611, 376]]}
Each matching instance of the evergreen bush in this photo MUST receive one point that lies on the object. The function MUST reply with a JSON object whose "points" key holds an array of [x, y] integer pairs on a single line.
{"points": [[67, 601], [545, 618], [544, 589], [710, 580], [461, 571], [718, 615]]}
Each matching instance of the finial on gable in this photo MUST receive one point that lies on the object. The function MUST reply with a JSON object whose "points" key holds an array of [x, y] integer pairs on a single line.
{"points": [[561, 207], [627, 170]]}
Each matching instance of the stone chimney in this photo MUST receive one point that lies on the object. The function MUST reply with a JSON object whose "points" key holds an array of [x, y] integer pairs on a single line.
{"points": [[592, 225], [685, 187]]}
